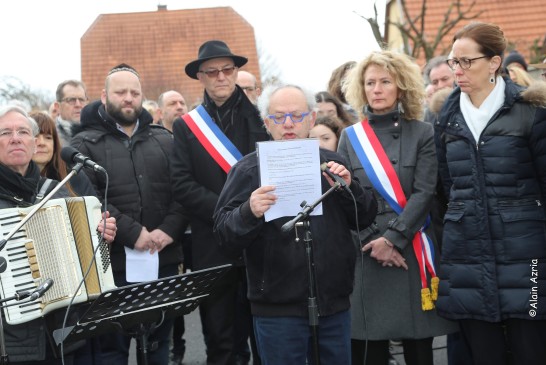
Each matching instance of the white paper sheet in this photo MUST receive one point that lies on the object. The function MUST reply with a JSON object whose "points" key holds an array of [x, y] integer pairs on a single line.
{"points": [[141, 266], [293, 167]]}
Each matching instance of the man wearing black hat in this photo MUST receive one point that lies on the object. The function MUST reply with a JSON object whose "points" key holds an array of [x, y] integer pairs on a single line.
{"points": [[207, 142]]}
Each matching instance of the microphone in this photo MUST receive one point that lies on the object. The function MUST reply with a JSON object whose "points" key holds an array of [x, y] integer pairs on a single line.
{"points": [[18, 296], [338, 179], [41, 289], [23, 294], [71, 155]]}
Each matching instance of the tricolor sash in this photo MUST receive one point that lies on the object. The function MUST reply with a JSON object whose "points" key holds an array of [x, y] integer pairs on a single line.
{"points": [[212, 138], [381, 174]]}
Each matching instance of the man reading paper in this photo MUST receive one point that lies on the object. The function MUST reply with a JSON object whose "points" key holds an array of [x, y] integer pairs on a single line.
{"points": [[276, 264]]}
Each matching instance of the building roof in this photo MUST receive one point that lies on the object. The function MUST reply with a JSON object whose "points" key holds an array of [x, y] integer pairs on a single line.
{"points": [[159, 44], [522, 21]]}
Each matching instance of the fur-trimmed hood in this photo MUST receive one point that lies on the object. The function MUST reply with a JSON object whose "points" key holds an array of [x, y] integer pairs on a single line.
{"points": [[535, 94]]}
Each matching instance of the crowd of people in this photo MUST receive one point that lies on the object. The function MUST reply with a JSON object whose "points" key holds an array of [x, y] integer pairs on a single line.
{"points": [[437, 225]]}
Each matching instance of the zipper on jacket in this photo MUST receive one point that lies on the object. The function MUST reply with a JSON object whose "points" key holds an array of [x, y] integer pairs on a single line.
{"points": [[488, 123], [519, 202]]}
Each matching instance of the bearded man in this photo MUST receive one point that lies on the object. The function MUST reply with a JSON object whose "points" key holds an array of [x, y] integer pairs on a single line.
{"points": [[119, 135]]}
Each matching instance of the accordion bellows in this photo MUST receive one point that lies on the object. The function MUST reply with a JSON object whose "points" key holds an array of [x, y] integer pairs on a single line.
{"points": [[58, 242]]}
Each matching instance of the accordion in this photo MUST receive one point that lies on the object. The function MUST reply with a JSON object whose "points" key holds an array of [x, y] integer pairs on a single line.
{"points": [[58, 242]]}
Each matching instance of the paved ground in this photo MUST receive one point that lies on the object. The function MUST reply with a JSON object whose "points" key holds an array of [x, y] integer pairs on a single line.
{"points": [[439, 348], [195, 348]]}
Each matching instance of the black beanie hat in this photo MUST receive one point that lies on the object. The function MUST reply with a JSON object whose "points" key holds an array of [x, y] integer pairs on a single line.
{"points": [[514, 56]]}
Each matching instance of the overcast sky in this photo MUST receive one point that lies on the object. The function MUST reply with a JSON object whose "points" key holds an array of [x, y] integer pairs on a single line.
{"points": [[41, 38]]}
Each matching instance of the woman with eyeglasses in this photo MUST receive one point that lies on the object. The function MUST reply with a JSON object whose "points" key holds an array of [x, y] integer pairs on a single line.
{"points": [[491, 145], [392, 153]]}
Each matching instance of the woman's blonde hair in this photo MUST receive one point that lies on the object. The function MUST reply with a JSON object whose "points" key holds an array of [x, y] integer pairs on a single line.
{"points": [[406, 74], [522, 77]]}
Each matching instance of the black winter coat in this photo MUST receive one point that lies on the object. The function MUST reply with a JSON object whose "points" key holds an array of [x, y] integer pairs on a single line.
{"points": [[139, 191], [494, 243], [278, 279], [197, 178]]}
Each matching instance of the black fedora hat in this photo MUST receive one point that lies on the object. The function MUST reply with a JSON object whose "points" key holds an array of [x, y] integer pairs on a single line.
{"points": [[210, 50]]}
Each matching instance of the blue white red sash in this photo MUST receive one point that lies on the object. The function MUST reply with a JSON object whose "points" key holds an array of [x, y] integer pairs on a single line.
{"points": [[212, 138], [381, 174]]}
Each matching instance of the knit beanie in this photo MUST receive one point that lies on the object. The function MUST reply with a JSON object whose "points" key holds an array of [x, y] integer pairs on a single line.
{"points": [[516, 57]]}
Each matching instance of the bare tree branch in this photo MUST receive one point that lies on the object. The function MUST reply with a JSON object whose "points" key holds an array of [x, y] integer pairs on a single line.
{"points": [[412, 29], [13, 89], [374, 24]]}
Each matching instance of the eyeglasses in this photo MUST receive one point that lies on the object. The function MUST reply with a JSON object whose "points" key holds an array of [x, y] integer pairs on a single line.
{"points": [[72, 101], [280, 118], [212, 73], [9, 133], [464, 63], [248, 88]]}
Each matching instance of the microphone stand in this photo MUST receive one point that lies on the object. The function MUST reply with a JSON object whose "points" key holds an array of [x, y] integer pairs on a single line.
{"points": [[4, 358], [3, 354], [303, 219], [37, 207]]}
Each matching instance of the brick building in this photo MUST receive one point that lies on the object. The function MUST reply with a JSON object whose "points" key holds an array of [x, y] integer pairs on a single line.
{"points": [[159, 44], [521, 21]]}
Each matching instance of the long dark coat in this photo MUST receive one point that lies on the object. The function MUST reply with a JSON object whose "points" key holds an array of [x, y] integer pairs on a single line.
{"points": [[198, 179], [386, 301], [494, 250]]}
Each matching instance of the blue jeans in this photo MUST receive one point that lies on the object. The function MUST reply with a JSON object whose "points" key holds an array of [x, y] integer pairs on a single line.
{"points": [[288, 340]]}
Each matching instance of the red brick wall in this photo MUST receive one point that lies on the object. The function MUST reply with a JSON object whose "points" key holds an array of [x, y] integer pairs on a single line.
{"points": [[159, 44]]}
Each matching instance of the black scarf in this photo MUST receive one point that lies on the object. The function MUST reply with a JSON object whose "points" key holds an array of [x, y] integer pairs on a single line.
{"points": [[25, 187], [223, 115]]}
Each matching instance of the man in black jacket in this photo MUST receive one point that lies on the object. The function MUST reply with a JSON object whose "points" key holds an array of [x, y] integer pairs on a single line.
{"points": [[276, 262], [118, 134], [22, 186], [199, 175]]}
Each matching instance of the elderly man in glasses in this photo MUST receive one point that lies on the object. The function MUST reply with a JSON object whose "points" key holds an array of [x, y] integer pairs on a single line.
{"points": [[277, 264], [71, 97], [207, 141], [22, 186], [248, 83]]}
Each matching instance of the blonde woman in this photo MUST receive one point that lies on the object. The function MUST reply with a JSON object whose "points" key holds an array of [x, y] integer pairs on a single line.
{"points": [[520, 76], [393, 295]]}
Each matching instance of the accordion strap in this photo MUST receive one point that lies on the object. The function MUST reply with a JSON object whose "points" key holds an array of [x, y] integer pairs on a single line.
{"points": [[43, 190]]}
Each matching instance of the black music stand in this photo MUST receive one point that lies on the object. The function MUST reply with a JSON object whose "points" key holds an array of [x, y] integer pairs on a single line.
{"points": [[138, 309]]}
